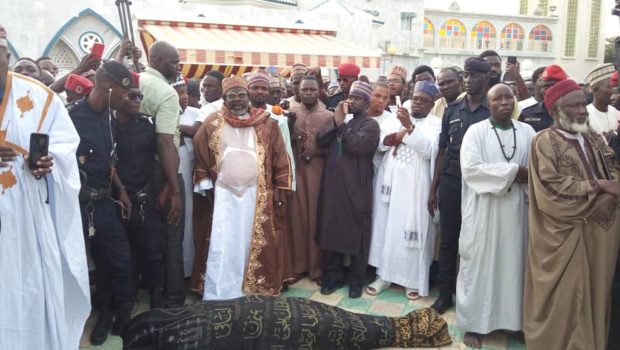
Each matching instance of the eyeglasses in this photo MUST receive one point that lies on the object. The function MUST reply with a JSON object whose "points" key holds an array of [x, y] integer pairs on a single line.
{"points": [[240, 94], [135, 95], [421, 99]]}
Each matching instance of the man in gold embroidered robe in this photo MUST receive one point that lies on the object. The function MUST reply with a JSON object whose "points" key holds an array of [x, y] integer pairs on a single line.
{"points": [[241, 154], [574, 229]]}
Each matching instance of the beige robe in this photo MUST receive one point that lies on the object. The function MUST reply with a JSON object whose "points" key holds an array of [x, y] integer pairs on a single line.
{"points": [[303, 203], [571, 261]]}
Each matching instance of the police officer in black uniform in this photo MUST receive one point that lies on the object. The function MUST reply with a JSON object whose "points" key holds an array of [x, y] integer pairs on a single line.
{"points": [[537, 115], [458, 117], [136, 150], [92, 118]]}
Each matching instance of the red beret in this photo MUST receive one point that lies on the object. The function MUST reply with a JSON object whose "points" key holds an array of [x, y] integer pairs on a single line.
{"points": [[136, 79], [79, 85], [558, 90], [554, 72], [614, 79], [348, 70]]}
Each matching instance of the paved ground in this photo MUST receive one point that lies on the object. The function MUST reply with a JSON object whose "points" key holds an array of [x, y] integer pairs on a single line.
{"points": [[391, 302]]}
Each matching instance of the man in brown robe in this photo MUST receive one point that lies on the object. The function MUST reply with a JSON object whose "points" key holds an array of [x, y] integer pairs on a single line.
{"points": [[345, 210], [574, 221], [240, 153], [311, 117]]}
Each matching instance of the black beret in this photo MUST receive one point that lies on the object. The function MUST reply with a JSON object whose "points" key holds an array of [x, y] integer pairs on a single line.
{"points": [[118, 72], [477, 64]]}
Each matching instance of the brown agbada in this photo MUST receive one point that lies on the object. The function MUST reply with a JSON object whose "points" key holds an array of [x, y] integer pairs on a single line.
{"points": [[265, 270], [303, 203], [571, 257]]}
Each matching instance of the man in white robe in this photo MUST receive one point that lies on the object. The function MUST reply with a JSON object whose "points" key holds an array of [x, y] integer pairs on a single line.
{"points": [[259, 85], [602, 116], [376, 110], [493, 239], [189, 116], [402, 231], [45, 297]]}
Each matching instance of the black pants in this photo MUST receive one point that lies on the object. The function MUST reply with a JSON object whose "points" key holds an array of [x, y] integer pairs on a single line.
{"points": [[110, 252], [449, 193], [333, 269], [147, 238], [174, 280]]}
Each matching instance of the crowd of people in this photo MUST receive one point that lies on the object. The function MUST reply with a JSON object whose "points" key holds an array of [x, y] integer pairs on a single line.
{"points": [[500, 189]]}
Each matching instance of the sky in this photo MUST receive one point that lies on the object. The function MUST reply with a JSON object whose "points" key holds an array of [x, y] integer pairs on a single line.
{"points": [[611, 29]]}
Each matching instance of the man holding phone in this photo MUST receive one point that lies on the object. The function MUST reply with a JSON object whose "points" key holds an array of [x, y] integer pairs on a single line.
{"points": [[42, 255]]}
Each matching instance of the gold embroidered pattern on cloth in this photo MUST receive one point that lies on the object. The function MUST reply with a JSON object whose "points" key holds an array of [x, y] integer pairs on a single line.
{"points": [[253, 283], [564, 160], [215, 141], [421, 328]]}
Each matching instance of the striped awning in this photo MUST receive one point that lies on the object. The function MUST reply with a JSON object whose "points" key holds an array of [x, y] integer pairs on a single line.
{"points": [[236, 49]]}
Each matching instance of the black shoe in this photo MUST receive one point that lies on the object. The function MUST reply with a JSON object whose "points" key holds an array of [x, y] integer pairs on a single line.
{"points": [[123, 315], [355, 292], [442, 304], [102, 327], [328, 287]]}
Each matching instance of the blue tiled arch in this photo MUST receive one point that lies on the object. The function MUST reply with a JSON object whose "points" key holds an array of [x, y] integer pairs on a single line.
{"points": [[70, 22]]}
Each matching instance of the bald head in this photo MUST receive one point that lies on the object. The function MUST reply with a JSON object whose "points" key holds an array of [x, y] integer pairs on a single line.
{"points": [[162, 49], [501, 101], [499, 89], [164, 58]]}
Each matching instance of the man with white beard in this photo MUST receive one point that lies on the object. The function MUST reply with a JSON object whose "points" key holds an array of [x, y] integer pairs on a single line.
{"points": [[493, 239], [573, 229], [402, 230]]}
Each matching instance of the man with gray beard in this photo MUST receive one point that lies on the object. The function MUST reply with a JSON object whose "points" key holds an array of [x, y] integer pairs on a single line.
{"points": [[573, 225], [240, 154]]}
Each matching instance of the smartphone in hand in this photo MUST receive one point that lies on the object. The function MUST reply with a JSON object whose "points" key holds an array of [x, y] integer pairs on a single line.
{"points": [[398, 103], [97, 50], [39, 144]]}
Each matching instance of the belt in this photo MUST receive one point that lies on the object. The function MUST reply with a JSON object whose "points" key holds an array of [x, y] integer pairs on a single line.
{"points": [[141, 196], [89, 194]]}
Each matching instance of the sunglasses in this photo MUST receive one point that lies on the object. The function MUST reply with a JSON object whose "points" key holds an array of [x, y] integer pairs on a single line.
{"points": [[240, 94]]}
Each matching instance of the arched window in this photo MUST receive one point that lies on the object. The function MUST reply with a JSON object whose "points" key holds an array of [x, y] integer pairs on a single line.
{"points": [[429, 33], [483, 36], [541, 39], [64, 57], [452, 34], [512, 38]]}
